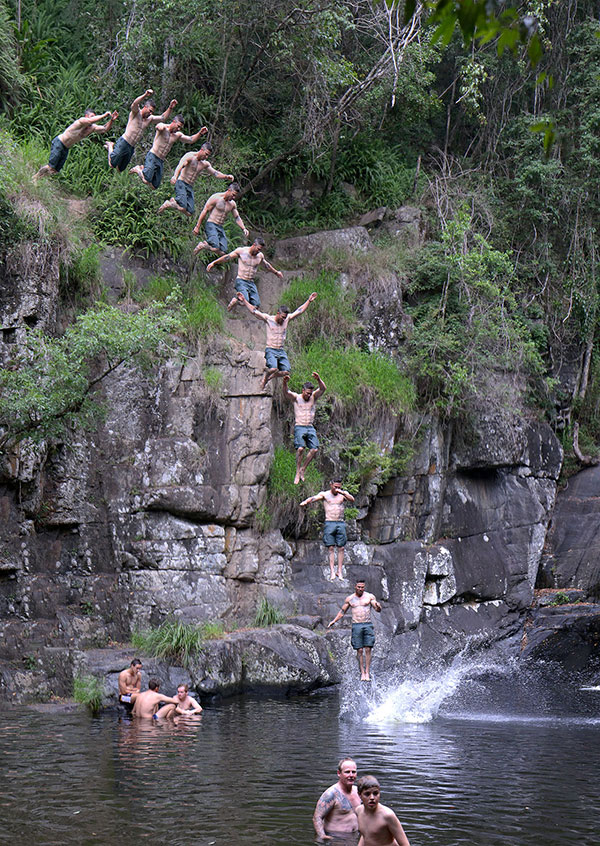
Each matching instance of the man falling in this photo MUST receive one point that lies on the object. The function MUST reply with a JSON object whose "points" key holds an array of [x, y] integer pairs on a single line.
{"points": [[120, 153], [249, 259], [81, 128], [166, 135], [190, 166]]}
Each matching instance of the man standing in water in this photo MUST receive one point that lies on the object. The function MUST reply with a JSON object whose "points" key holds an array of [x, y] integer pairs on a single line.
{"points": [[147, 704], [166, 135], [334, 531], [190, 166], [304, 430], [276, 360], [130, 682], [378, 825], [186, 705], [249, 259], [217, 207], [73, 134], [119, 154], [335, 814], [363, 633]]}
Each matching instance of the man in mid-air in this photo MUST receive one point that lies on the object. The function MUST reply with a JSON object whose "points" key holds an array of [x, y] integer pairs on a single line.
{"points": [[217, 207], [334, 531], [190, 166], [81, 128], [363, 633], [248, 259], [305, 436], [120, 153], [166, 135]]}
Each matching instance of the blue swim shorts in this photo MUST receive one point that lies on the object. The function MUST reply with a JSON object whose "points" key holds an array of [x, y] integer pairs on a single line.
{"points": [[277, 358], [184, 194], [153, 169], [247, 287], [215, 235], [363, 634], [121, 154], [334, 533], [305, 436], [58, 154]]}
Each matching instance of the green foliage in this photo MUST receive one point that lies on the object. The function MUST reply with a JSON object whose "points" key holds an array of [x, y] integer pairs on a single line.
{"points": [[174, 640], [267, 614], [213, 379], [212, 630], [88, 690], [331, 315], [11, 78], [202, 315], [281, 488], [366, 462], [82, 274], [49, 384]]}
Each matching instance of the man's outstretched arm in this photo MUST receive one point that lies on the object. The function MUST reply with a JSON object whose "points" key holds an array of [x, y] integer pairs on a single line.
{"points": [[322, 386], [238, 220], [288, 394], [166, 114], [135, 106], [217, 173], [315, 498], [252, 309], [340, 613], [97, 128], [304, 306], [191, 139], [222, 259], [208, 206], [271, 269]]}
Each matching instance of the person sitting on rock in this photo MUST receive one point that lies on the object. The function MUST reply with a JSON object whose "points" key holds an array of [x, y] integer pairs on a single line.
{"points": [[166, 135], [217, 207], [119, 154], [305, 436], [190, 166], [276, 360], [148, 704], [73, 134], [130, 682], [334, 532], [248, 259]]}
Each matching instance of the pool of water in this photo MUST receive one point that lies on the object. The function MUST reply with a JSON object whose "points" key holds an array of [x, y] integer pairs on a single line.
{"points": [[251, 770]]}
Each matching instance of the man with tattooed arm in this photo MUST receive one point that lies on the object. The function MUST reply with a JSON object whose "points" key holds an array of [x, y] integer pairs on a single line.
{"points": [[334, 816]]}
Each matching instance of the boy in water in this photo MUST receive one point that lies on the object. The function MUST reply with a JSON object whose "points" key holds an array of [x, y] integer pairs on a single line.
{"points": [[378, 825]]}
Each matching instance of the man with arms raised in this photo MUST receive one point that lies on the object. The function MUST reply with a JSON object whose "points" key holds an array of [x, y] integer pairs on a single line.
{"points": [[130, 682], [73, 134], [190, 166], [119, 154], [166, 135], [334, 531], [187, 705], [148, 704], [217, 207], [276, 360], [363, 633], [304, 430], [335, 814], [249, 259]]}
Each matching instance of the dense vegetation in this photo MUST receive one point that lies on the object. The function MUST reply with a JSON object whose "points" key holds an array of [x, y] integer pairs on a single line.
{"points": [[505, 292]]}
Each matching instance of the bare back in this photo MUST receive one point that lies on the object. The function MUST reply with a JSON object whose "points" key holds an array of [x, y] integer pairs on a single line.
{"points": [[146, 704], [163, 141], [76, 132], [221, 209]]}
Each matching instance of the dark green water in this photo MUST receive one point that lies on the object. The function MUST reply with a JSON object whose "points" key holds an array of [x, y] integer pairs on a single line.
{"points": [[250, 773]]}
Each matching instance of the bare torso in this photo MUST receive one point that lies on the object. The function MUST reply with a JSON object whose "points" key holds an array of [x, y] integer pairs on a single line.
{"points": [[361, 607], [136, 126], [342, 816], [163, 141], [375, 827], [76, 132], [276, 332], [334, 506], [192, 169], [147, 704], [304, 412], [129, 681], [247, 263], [221, 209]]}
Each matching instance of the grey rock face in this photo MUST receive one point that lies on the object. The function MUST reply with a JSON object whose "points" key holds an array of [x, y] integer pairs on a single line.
{"points": [[294, 252]]}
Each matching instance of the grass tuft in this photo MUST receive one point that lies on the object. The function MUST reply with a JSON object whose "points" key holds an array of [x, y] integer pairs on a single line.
{"points": [[89, 691], [175, 640], [267, 614]]}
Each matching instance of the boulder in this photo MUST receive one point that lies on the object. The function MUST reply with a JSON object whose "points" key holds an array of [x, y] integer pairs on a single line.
{"points": [[307, 249]]}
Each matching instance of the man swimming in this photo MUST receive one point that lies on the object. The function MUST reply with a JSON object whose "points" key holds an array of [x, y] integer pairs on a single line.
{"points": [[148, 704], [217, 207], [130, 682], [334, 530], [378, 825], [276, 360], [334, 814], [120, 153], [249, 259], [363, 633], [81, 128], [305, 436], [166, 135], [187, 705], [190, 166]]}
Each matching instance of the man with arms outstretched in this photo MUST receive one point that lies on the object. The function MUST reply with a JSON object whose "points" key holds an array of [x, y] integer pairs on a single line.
{"points": [[120, 153], [73, 134], [166, 135], [335, 814], [305, 436], [249, 259], [276, 360], [190, 166], [363, 633], [334, 531], [217, 207], [148, 704]]}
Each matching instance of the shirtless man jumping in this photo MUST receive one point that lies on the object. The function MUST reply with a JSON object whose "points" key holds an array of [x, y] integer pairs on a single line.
{"points": [[304, 430], [363, 634], [147, 704], [166, 135], [276, 361], [190, 166], [119, 154], [334, 531], [73, 134], [335, 814], [130, 682], [217, 207], [249, 259]]}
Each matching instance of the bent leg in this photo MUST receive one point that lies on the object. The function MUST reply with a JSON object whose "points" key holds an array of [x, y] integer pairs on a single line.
{"points": [[165, 712], [309, 458]]}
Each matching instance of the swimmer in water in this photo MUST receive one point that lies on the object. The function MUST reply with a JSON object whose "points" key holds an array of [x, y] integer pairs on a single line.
{"points": [[187, 705], [334, 815], [378, 825], [148, 704]]}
